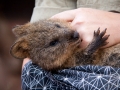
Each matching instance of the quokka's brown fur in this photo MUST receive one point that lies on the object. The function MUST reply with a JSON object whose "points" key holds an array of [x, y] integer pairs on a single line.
{"points": [[54, 45]]}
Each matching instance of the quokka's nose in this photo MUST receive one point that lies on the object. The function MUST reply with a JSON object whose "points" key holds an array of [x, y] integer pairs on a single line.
{"points": [[76, 35]]}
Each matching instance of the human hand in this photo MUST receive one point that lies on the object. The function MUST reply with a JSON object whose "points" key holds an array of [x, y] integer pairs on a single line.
{"points": [[86, 20]]}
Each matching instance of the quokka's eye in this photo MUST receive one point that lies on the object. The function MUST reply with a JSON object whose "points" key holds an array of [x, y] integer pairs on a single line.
{"points": [[57, 25], [54, 42]]}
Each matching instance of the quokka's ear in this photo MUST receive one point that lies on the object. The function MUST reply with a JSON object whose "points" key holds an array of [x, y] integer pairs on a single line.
{"points": [[20, 49], [20, 30]]}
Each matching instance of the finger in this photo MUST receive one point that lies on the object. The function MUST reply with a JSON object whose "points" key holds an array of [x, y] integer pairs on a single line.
{"points": [[25, 61]]}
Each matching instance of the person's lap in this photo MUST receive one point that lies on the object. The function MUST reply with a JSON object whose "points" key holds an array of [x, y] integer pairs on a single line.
{"points": [[77, 78]]}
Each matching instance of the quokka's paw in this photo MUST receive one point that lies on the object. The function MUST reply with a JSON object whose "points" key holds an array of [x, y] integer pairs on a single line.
{"points": [[99, 38]]}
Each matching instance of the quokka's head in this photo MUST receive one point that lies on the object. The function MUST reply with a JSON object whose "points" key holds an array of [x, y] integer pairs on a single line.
{"points": [[48, 43]]}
